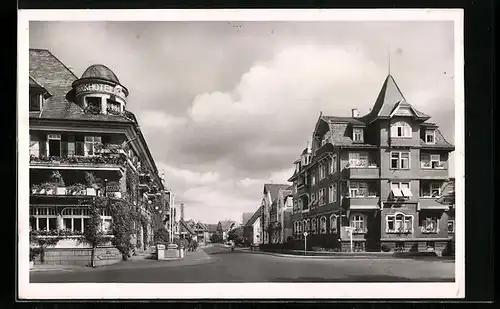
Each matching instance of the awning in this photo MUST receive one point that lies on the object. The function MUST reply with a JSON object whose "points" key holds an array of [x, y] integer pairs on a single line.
{"points": [[397, 192], [406, 192], [362, 207]]}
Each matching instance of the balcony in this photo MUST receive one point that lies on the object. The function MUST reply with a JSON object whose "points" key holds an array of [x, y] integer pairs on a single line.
{"points": [[109, 162], [430, 170], [368, 202], [371, 171], [429, 203]]}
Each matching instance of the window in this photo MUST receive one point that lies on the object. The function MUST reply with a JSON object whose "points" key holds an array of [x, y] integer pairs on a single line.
{"points": [[313, 179], [358, 223], [35, 102], [322, 197], [431, 189], [93, 104], [313, 226], [358, 189], [332, 193], [90, 144], [75, 219], [333, 164], [307, 225], [34, 146], [430, 224], [322, 171], [322, 225], [399, 223], [54, 145], [400, 160], [435, 161], [401, 129], [358, 159], [113, 107], [430, 136], [333, 224], [358, 135], [451, 226], [43, 218]]}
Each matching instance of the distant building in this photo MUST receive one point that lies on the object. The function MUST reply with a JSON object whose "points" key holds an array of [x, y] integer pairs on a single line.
{"points": [[224, 227], [269, 216], [211, 229], [252, 228]]}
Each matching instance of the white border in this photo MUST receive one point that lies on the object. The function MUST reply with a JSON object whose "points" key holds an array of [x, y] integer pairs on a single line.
{"points": [[227, 290]]}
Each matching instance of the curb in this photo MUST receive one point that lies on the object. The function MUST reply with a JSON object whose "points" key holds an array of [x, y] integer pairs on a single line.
{"points": [[337, 257]]}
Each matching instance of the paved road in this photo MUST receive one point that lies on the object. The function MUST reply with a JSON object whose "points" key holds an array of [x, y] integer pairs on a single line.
{"points": [[219, 265]]}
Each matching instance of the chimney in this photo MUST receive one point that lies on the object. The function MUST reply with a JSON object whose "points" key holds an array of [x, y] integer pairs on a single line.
{"points": [[355, 113]]}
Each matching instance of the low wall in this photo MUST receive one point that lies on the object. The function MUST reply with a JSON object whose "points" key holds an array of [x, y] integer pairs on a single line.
{"points": [[79, 256], [73, 251]]}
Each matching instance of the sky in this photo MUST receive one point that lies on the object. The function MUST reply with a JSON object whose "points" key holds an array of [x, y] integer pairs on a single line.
{"points": [[226, 107]]}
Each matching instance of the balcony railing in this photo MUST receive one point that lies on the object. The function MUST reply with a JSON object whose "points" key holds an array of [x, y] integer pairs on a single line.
{"points": [[361, 172], [90, 161], [78, 191]]}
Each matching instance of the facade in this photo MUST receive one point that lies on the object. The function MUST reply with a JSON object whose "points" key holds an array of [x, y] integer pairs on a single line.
{"points": [[269, 216], [85, 143], [211, 229], [284, 215], [252, 228], [379, 176]]}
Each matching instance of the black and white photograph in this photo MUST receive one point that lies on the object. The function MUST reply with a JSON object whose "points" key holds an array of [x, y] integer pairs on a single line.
{"points": [[241, 154]]}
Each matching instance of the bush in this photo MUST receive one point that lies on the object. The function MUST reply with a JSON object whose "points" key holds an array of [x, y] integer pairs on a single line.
{"points": [[161, 237], [216, 238]]}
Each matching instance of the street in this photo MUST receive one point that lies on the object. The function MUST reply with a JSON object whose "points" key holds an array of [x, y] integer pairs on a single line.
{"points": [[218, 265]]}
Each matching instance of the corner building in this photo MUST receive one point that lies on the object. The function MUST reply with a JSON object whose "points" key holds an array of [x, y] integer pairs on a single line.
{"points": [[85, 143], [380, 175]]}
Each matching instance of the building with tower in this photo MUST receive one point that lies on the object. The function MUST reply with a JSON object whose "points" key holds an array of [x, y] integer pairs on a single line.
{"points": [[377, 178], [84, 143]]}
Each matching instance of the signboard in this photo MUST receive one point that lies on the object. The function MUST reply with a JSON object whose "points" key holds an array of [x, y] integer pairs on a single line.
{"points": [[95, 87], [305, 234], [113, 188]]}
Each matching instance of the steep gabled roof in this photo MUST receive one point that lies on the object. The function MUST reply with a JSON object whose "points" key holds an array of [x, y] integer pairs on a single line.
{"points": [[227, 224], [273, 189], [441, 142], [187, 227], [57, 79], [254, 217], [389, 96]]}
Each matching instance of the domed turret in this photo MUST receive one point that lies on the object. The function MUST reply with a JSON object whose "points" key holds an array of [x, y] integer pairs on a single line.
{"points": [[100, 71], [99, 91]]}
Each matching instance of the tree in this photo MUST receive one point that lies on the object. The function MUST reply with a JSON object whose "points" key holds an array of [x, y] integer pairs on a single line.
{"points": [[216, 237], [93, 233], [236, 235]]}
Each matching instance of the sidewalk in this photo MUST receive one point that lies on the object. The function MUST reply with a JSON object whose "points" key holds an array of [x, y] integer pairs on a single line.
{"points": [[142, 261], [345, 255]]}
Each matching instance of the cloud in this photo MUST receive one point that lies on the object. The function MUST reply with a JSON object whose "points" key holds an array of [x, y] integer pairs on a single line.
{"points": [[224, 112]]}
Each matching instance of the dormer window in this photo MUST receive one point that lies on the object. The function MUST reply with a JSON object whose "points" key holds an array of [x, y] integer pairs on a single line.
{"points": [[113, 107], [430, 136], [401, 129], [35, 102], [93, 105], [357, 135]]}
